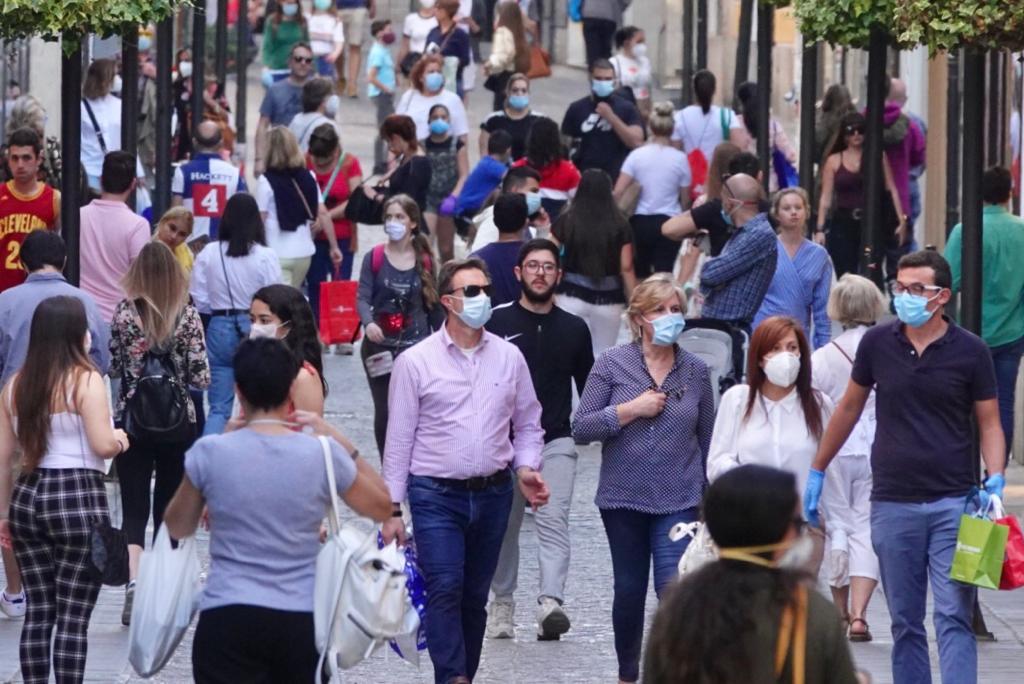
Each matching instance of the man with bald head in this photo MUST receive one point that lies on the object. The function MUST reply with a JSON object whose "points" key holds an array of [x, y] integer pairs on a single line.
{"points": [[734, 282], [205, 183]]}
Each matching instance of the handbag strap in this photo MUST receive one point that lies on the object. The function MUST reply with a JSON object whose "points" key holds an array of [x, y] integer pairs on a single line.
{"points": [[334, 177], [333, 518], [95, 126], [302, 196], [793, 637], [227, 281], [842, 351]]}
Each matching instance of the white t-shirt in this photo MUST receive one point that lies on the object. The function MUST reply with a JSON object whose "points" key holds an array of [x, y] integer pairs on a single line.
{"points": [[302, 127], [417, 105], [246, 274], [633, 73], [660, 170], [697, 129], [326, 32], [288, 244], [416, 28], [107, 111]]}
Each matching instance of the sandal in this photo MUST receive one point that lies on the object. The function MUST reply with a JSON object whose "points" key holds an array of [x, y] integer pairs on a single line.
{"points": [[859, 637]]}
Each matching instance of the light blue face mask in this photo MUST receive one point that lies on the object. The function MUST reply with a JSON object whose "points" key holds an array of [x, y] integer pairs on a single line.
{"points": [[532, 203], [476, 311], [913, 309], [439, 127], [290, 10], [667, 328], [433, 81], [602, 88], [727, 218], [519, 102], [145, 43], [322, 5]]}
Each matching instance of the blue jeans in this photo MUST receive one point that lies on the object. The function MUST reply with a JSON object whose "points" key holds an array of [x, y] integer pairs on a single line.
{"points": [[1006, 359], [320, 267], [635, 538], [222, 339], [915, 541], [458, 537]]}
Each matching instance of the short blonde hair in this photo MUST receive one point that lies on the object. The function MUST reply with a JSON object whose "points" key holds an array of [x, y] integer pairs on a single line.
{"points": [[178, 214], [648, 295], [283, 150], [854, 301]]}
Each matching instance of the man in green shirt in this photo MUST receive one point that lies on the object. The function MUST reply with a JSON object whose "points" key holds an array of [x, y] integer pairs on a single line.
{"points": [[1002, 304]]}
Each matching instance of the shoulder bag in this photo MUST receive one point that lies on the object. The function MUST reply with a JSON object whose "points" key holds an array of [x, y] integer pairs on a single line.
{"points": [[95, 126]]}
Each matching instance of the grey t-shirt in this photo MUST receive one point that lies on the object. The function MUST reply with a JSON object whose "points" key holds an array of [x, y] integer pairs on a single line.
{"points": [[282, 102], [393, 299], [266, 496]]}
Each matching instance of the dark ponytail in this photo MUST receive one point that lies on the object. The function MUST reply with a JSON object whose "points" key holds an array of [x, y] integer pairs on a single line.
{"points": [[704, 89], [746, 95]]}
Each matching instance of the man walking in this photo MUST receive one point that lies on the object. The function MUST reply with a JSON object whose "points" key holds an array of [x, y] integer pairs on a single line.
{"points": [[930, 378], [453, 398], [1002, 291], [557, 348], [204, 184], [283, 100]]}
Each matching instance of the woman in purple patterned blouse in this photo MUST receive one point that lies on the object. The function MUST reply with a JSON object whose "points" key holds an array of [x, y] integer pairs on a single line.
{"points": [[650, 404]]}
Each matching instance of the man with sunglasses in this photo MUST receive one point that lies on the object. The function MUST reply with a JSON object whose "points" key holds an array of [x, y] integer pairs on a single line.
{"points": [[930, 378], [283, 99], [455, 399], [557, 348]]}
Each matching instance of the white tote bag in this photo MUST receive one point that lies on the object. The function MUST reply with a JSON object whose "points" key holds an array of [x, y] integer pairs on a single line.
{"points": [[701, 549], [360, 599], [166, 598]]}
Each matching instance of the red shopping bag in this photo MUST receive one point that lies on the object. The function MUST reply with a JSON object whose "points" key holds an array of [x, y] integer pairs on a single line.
{"points": [[339, 320], [1013, 563]]}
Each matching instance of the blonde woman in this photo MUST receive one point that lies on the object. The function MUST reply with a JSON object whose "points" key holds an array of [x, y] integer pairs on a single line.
{"points": [[173, 230], [101, 117], [510, 53], [289, 201], [155, 316]]}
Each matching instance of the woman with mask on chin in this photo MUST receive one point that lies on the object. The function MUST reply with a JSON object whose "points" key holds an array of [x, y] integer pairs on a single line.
{"points": [[777, 418], [397, 301], [650, 404]]}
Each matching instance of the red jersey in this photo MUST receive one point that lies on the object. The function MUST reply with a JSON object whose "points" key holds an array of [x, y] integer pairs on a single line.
{"points": [[19, 216]]}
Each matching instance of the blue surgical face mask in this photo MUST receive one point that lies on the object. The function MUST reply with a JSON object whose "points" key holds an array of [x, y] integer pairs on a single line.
{"points": [[476, 311], [532, 203], [290, 10], [145, 43], [727, 218], [433, 81], [518, 102], [439, 127], [667, 328], [323, 5], [602, 88], [913, 309], [395, 230]]}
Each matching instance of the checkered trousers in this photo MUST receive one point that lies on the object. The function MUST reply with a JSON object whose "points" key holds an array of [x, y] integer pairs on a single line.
{"points": [[51, 515]]}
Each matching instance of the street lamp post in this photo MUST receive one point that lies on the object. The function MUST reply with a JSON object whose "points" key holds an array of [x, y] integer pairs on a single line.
{"points": [[71, 151], [874, 185]]}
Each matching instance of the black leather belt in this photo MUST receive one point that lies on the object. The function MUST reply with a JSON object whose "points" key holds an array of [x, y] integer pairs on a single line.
{"points": [[476, 484], [229, 312]]}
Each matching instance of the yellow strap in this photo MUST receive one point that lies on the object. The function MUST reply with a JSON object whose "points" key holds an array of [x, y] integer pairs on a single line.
{"points": [[785, 637], [795, 634]]}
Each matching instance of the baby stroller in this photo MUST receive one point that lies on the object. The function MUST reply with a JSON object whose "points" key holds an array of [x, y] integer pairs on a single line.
{"points": [[722, 346]]}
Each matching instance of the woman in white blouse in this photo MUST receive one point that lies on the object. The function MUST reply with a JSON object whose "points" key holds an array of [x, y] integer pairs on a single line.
{"points": [[855, 303], [776, 419]]}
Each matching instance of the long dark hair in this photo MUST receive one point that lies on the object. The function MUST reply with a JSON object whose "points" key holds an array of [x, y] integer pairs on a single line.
{"points": [[543, 144], [769, 333], [704, 89], [56, 359], [716, 608], [838, 143], [746, 96], [591, 223], [289, 305], [241, 225]]}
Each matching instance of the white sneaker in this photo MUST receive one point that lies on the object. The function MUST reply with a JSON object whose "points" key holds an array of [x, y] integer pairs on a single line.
{"points": [[552, 622], [12, 606], [344, 349], [501, 619]]}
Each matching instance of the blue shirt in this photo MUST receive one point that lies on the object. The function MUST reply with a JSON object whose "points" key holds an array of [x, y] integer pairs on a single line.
{"points": [[652, 465], [481, 182], [501, 258], [923, 406], [800, 289], [205, 184], [18, 305], [380, 57], [734, 282]]}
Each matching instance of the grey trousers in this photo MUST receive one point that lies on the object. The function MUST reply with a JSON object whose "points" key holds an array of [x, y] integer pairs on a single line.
{"points": [[385, 108], [552, 523]]}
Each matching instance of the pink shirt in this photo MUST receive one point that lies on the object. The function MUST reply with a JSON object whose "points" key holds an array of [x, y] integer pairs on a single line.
{"points": [[449, 414], [112, 236]]}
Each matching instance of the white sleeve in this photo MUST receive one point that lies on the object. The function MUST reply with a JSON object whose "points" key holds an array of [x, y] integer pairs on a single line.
{"points": [[677, 130], [178, 182], [460, 126], [723, 454], [821, 371], [339, 34], [629, 165], [404, 102], [264, 194], [197, 286], [270, 267], [407, 25], [734, 120], [685, 175]]}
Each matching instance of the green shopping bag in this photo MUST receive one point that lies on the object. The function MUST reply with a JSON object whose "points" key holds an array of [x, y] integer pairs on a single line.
{"points": [[980, 548]]}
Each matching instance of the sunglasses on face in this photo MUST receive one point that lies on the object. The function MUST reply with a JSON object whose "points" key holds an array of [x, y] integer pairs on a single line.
{"points": [[473, 290], [854, 130], [303, 60]]}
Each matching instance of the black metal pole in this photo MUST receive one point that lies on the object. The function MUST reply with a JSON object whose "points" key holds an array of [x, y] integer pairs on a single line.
{"points": [[130, 94], [702, 34], [808, 98], [995, 115], [743, 43], [241, 65], [685, 94], [765, 40], [872, 162], [221, 56], [164, 60], [198, 62], [71, 153], [952, 141]]}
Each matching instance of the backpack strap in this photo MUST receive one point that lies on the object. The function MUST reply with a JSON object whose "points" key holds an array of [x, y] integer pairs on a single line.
{"points": [[377, 259]]}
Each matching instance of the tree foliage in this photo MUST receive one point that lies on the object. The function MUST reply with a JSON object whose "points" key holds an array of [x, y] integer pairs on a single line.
{"points": [[843, 22], [71, 20], [949, 24]]}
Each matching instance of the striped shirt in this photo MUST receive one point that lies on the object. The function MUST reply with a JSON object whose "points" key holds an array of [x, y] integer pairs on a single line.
{"points": [[734, 282], [800, 289], [449, 412], [204, 185]]}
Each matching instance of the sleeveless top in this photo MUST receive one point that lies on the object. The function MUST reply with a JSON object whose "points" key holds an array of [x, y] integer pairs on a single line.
{"points": [[19, 216], [848, 187], [67, 446]]}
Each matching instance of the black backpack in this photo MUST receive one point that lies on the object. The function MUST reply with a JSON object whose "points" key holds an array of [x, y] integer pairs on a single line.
{"points": [[158, 410]]}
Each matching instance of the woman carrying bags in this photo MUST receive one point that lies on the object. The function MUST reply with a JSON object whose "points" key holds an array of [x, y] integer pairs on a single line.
{"points": [[510, 52]]}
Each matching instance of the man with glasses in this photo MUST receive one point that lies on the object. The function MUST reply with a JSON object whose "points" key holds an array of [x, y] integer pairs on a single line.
{"points": [[557, 348], [283, 99], [930, 378], [453, 399]]}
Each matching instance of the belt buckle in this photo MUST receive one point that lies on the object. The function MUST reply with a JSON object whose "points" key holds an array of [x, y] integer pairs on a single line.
{"points": [[476, 484], [857, 214]]}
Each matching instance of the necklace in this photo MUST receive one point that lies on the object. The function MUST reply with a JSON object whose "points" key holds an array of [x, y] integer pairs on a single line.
{"points": [[271, 421]]}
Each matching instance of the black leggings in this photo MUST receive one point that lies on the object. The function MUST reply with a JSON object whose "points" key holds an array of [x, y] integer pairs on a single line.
{"points": [[134, 471], [597, 38], [654, 252], [379, 393], [843, 242], [254, 645]]}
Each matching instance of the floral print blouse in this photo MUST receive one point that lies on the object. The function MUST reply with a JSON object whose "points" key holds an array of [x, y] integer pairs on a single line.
{"points": [[128, 347]]}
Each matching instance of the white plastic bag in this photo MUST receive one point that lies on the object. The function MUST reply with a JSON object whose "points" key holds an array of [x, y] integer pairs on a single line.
{"points": [[166, 598], [701, 549]]}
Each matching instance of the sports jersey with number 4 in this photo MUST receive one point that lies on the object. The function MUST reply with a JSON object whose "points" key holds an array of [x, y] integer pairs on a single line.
{"points": [[205, 184], [19, 216]]}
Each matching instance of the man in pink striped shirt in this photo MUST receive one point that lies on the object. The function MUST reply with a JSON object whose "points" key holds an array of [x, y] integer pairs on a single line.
{"points": [[453, 399]]}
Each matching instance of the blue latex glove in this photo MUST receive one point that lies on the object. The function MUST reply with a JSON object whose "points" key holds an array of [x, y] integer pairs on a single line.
{"points": [[995, 485], [812, 495], [447, 207]]}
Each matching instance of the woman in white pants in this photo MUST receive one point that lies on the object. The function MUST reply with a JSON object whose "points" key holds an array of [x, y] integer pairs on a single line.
{"points": [[855, 303]]}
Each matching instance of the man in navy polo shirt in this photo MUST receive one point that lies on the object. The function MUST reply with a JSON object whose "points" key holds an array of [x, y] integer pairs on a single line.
{"points": [[930, 377]]}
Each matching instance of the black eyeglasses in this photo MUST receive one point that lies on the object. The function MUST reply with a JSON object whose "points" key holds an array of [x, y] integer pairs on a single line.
{"points": [[473, 290], [850, 130], [303, 60]]}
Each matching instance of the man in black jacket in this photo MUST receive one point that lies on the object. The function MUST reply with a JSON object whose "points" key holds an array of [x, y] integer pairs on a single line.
{"points": [[557, 348]]}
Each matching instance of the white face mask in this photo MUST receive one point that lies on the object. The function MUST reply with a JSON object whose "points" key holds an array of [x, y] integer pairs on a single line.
{"points": [[782, 369], [185, 69], [331, 108], [88, 341], [264, 330], [395, 230], [117, 85], [640, 50], [428, 4], [798, 554]]}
